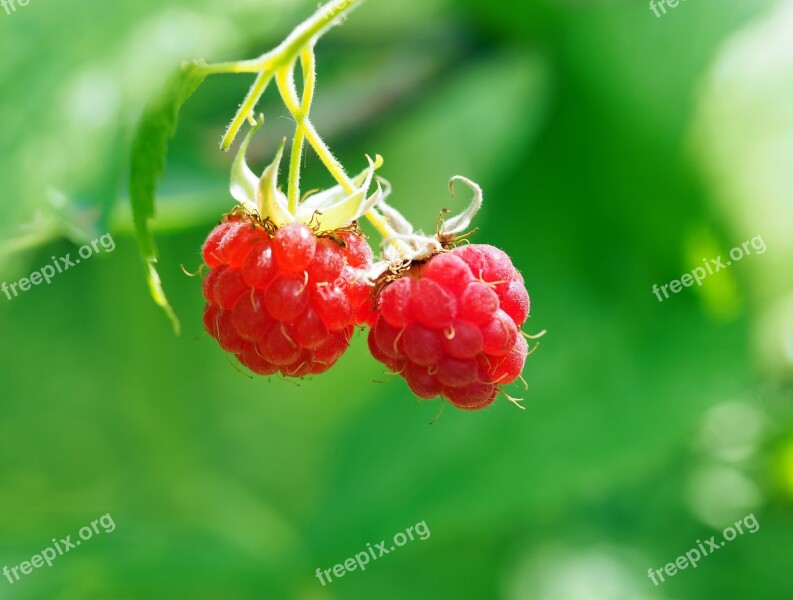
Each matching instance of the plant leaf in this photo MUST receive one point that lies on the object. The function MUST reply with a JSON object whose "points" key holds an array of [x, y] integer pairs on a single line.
{"points": [[147, 164]]}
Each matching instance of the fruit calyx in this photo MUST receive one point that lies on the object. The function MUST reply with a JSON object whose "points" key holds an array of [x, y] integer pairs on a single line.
{"points": [[324, 211], [408, 246]]}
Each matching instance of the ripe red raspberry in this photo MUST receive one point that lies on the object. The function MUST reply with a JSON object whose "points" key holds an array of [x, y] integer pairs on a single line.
{"points": [[279, 300], [450, 326]]}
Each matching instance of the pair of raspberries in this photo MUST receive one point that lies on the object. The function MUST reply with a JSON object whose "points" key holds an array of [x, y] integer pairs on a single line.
{"points": [[286, 300]]}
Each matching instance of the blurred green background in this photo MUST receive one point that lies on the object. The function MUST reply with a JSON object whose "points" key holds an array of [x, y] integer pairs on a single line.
{"points": [[616, 150]]}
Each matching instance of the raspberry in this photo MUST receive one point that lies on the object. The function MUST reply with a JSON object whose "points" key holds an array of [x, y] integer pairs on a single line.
{"points": [[294, 247], [450, 326], [422, 345], [395, 301], [359, 254], [328, 262], [285, 300], [432, 305], [362, 301]]}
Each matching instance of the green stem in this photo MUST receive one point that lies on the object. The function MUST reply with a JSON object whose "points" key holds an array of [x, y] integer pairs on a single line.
{"points": [[307, 32], [230, 67], [280, 63], [289, 96], [246, 108], [286, 86], [308, 62], [304, 36]]}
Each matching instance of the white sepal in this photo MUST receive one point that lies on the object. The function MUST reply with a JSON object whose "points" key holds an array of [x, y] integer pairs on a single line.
{"points": [[375, 272], [325, 199], [407, 245], [332, 215], [270, 200], [407, 248], [243, 180], [392, 216], [462, 222]]}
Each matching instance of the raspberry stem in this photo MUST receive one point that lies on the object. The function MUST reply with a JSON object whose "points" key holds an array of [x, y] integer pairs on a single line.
{"points": [[285, 54], [245, 111], [308, 62], [279, 64], [286, 86]]}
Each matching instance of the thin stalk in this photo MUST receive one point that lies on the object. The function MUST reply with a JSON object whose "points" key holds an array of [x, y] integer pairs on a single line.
{"points": [[289, 95], [303, 37], [310, 30], [308, 62], [286, 86], [231, 67], [280, 63], [245, 111]]}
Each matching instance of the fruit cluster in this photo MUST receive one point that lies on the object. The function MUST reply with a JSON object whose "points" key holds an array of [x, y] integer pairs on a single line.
{"points": [[273, 297], [285, 300], [291, 274], [451, 326]]}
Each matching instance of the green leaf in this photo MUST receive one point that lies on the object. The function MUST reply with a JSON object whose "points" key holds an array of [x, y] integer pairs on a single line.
{"points": [[149, 147]]}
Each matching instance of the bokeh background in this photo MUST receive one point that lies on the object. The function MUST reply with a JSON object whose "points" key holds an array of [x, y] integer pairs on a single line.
{"points": [[616, 150]]}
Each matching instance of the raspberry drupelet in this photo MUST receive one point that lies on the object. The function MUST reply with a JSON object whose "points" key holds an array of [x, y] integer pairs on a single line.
{"points": [[283, 299], [451, 326]]}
